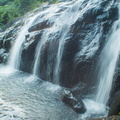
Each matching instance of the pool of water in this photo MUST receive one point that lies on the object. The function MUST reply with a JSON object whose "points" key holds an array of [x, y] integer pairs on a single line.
{"points": [[24, 97]]}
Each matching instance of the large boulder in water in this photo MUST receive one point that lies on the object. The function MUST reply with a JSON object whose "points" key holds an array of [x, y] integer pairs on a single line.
{"points": [[76, 104]]}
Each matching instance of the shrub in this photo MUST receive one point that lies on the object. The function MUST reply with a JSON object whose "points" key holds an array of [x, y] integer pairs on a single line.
{"points": [[11, 9]]}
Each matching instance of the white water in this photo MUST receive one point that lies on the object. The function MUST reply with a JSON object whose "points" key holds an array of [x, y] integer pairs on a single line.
{"points": [[22, 98], [108, 58], [15, 55], [62, 24], [107, 64], [45, 37], [94, 110], [67, 20]]}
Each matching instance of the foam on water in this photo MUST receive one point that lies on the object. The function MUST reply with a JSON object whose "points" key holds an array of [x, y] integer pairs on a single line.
{"points": [[52, 88], [94, 110], [6, 70], [31, 78]]}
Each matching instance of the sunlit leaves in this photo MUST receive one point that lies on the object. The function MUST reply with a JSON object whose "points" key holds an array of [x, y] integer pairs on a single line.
{"points": [[11, 9]]}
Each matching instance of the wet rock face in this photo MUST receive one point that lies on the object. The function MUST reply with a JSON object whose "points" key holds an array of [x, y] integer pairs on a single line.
{"points": [[116, 84], [7, 38], [114, 101], [83, 44], [115, 104], [29, 52], [39, 26], [86, 39]]}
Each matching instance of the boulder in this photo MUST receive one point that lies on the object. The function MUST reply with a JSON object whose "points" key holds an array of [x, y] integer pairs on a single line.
{"points": [[41, 25], [76, 104], [28, 51]]}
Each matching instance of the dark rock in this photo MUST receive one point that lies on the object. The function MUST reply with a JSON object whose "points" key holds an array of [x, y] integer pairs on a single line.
{"points": [[79, 90], [116, 82], [9, 33], [77, 105], [113, 13], [1, 43], [27, 36], [115, 105], [39, 26], [28, 52], [91, 15], [3, 56], [7, 44]]}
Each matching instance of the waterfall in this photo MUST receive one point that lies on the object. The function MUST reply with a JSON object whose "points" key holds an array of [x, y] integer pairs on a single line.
{"points": [[65, 36], [62, 26], [67, 21], [107, 64], [37, 55], [45, 37], [15, 55]]}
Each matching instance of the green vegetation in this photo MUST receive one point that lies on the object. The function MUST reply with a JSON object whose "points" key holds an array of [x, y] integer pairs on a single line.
{"points": [[11, 9]]}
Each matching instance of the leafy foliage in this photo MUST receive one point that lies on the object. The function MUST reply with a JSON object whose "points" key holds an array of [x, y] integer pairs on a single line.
{"points": [[11, 9], [26, 5], [8, 12]]}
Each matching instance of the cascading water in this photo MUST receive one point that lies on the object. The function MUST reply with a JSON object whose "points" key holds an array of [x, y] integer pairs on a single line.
{"points": [[15, 56], [61, 25], [43, 40], [71, 13], [107, 64]]}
